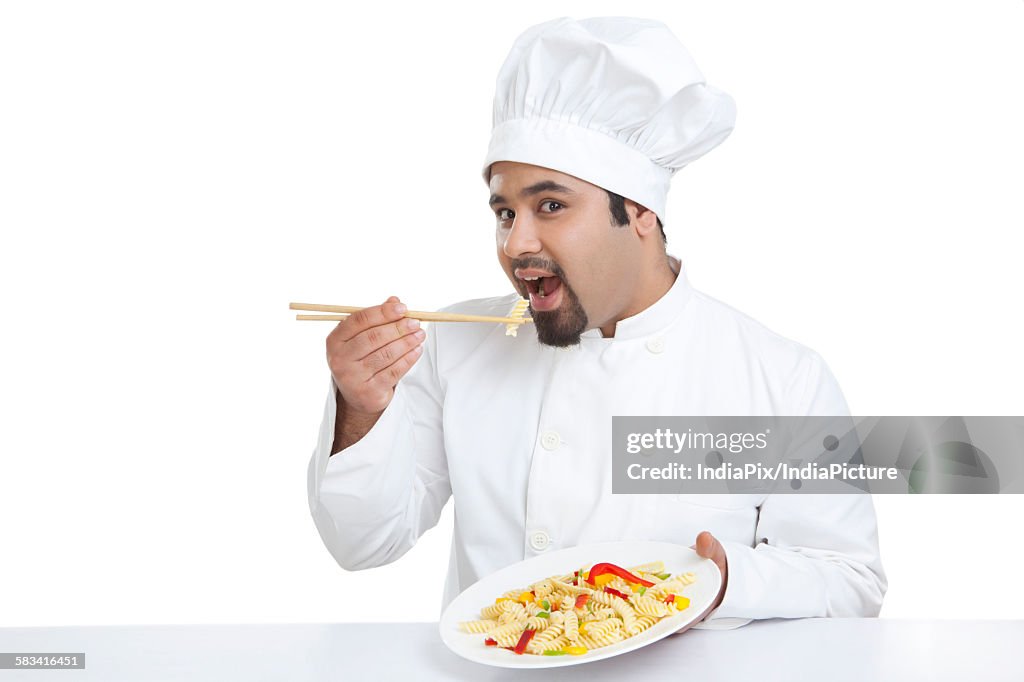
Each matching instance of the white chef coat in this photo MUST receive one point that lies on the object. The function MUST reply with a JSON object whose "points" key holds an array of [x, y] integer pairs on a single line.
{"points": [[519, 435]]}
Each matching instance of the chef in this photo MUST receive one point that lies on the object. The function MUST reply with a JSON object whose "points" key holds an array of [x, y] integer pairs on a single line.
{"points": [[592, 118]]}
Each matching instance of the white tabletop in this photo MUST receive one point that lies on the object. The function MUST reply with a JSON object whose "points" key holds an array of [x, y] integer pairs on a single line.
{"points": [[808, 649]]}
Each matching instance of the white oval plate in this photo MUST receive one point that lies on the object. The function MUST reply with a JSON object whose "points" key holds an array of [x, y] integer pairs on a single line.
{"points": [[677, 558]]}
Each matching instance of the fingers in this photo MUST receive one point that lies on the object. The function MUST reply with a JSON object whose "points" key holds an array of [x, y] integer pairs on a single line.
{"points": [[373, 396], [370, 351], [370, 343], [375, 339], [387, 355], [374, 316], [355, 324], [388, 376]]}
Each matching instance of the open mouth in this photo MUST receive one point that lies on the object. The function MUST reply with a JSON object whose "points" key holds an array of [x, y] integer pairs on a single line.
{"points": [[542, 288]]}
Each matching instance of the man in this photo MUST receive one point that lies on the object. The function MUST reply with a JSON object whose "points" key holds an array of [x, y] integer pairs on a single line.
{"points": [[591, 120]]}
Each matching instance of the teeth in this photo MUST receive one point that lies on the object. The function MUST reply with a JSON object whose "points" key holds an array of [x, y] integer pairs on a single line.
{"points": [[531, 279]]}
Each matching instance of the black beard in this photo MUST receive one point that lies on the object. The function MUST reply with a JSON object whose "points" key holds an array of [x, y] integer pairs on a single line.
{"points": [[562, 327]]}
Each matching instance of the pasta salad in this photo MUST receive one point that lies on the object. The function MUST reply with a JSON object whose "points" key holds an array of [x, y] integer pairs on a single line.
{"points": [[587, 609]]}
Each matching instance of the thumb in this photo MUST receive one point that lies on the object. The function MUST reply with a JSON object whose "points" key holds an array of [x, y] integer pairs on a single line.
{"points": [[707, 546]]}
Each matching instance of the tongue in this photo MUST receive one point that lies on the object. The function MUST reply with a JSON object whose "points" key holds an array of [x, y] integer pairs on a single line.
{"points": [[551, 285]]}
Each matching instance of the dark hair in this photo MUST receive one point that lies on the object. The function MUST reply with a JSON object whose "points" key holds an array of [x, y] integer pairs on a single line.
{"points": [[617, 206]]}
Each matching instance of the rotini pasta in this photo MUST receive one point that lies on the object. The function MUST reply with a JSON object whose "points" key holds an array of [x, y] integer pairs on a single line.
{"points": [[583, 610], [518, 312]]}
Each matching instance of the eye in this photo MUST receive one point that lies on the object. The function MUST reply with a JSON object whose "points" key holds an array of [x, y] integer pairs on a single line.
{"points": [[505, 214], [553, 204]]}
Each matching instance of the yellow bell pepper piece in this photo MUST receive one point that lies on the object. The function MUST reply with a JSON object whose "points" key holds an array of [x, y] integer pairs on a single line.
{"points": [[575, 650], [681, 602], [525, 597], [582, 628], [603, 579], [501, 599]]}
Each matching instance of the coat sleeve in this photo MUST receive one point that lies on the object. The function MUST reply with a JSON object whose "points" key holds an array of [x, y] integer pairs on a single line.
{"points": [[372, 501], [814, 555]]}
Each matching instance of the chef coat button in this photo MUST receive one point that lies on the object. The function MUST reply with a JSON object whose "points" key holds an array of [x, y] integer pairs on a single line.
{"points": [[539, 540], [656, 344], [550, 440]]}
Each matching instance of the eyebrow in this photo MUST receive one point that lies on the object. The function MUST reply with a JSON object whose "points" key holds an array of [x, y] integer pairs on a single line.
{"points": [[536, 188]]}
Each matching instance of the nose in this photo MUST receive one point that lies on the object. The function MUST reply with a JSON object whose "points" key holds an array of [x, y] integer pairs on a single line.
{"points": [[522, 237]]}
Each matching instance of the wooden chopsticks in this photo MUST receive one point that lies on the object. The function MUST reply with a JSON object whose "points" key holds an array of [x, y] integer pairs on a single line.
{"points": [[344, 311]]}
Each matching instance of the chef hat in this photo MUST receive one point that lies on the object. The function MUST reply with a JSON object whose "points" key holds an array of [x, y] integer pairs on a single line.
{"points": [[615, 101]]}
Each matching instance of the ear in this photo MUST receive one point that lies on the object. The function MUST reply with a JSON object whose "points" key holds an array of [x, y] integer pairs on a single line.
{"points": [[644, 220]]}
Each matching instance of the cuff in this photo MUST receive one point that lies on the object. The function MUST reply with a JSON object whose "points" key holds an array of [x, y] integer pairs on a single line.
{"points": [[371, 475]]}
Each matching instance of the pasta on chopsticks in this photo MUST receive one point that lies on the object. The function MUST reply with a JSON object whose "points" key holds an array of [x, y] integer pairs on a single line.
{"points": [[580, 611]]}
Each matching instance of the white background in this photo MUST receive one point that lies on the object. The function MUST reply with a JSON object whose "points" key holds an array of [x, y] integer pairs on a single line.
{"points": [[172, 174]]}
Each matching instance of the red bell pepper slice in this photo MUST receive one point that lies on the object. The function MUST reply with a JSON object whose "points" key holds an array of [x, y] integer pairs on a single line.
{"points": [[524, 639], [670, 599], [490, 642], [615, 592], [581, 600], [601, 569]]}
